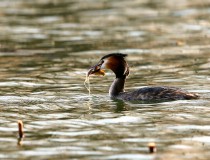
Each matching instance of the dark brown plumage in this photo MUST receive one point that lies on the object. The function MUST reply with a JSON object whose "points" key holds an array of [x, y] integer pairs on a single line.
{"points": [[119, 66]]}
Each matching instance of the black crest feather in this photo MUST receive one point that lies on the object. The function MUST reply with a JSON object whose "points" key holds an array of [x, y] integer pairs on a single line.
{"points": [[114, 54]]}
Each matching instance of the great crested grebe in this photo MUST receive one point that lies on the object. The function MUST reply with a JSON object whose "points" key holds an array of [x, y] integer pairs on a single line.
{"points": [[117, 63]]}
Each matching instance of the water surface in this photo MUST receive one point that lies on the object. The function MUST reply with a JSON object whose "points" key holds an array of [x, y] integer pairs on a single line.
{"points": [[46, 48]]}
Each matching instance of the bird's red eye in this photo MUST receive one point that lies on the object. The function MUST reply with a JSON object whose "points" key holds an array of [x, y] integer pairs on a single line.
{"points": [[100, 63], [97, 68]]}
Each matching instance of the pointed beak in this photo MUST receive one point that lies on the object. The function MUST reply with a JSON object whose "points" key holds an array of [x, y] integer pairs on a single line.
{"points": [[96, 70]]}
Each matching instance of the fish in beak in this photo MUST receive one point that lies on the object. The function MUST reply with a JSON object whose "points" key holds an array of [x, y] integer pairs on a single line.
{"points": [[96, 70]]}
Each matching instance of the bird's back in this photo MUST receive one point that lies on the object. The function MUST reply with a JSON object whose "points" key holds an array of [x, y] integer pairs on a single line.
{"points": [[157, 93]]}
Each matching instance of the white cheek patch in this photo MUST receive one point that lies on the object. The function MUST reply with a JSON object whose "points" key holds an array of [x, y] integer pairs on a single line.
{"points": [[104, 65]]}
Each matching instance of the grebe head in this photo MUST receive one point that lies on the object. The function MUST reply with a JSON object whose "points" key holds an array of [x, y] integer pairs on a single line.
{"points": [[113, 61]]}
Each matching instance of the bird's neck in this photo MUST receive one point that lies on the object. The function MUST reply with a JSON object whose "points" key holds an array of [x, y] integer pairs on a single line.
{"points": [[117, 86]]}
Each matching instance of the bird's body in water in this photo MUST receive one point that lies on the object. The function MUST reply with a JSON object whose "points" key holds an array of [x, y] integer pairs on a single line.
{"points": [[116, 62]]}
